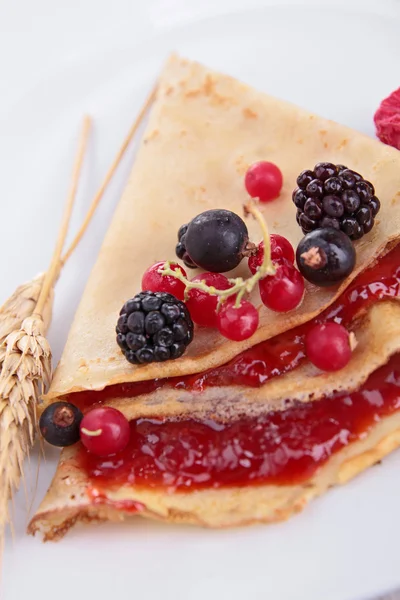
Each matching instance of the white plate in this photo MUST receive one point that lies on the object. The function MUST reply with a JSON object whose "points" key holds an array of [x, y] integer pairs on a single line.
{"points": [[339, 62]]}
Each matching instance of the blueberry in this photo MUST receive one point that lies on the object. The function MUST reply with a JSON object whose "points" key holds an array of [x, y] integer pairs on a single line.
{"points": [[59, 424], [216, 239], [325, 257]]}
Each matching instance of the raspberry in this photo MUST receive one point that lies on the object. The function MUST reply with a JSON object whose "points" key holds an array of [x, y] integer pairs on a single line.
{"points": [[387, 120]]}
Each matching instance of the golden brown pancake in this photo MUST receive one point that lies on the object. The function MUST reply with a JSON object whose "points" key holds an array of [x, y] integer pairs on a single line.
{"points": [[205, 129]]}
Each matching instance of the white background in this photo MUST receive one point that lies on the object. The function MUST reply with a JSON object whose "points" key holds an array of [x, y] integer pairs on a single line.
{"points": [[61, 58]]}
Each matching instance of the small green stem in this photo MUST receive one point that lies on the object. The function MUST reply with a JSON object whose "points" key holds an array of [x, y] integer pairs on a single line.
{"points": [[240, 286]]}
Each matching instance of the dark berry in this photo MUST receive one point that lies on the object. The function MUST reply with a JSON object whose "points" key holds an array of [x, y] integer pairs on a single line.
{"points": [[313, 209], [159, 328], [59, 424], [305, 178], [325, 256], [216, 239], [299, 198], [306, 223], [352, 228], [333, 206], [363, 215], [161, 353], [363, 190], [338, 194], [325, 170], [181, 231], [351, 201], [153, 322], [180, 248], [374, 205], [348, 179], [333, 185], [135, 341], [315, 189], [177, 349], [135, 322], [330, 222]]}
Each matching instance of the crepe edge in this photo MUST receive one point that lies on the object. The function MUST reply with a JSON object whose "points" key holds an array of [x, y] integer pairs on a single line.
{"points": [[53, 521]]}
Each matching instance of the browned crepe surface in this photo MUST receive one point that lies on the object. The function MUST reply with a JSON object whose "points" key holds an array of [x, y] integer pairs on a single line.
{"points": [[204, 130]]}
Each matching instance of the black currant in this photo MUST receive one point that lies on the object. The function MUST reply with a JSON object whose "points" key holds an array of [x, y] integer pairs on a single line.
{"points": [[325, 256], [59, 424], [216, 240]]}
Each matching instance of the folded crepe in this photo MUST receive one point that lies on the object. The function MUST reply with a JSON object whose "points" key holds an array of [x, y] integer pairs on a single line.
{"points": [[205, 129]]}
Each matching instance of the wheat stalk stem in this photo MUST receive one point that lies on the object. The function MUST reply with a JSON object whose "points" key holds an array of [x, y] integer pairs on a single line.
{"points": [[52, 273], [110, 173]]}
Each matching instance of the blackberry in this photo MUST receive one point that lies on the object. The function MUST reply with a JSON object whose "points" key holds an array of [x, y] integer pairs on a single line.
{"points": [[335, 196], [153, 327], [180, 248]]}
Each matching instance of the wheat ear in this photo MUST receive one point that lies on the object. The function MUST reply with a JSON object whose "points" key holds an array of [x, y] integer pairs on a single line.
{"points": [[25, 360]]}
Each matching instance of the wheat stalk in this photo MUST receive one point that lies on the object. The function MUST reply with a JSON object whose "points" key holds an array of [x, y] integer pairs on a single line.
{"points": [[25, 359], [25, 354]]}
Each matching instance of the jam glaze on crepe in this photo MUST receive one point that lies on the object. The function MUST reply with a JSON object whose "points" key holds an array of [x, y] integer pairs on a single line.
{"points": [[208, 120], [204, 131]]}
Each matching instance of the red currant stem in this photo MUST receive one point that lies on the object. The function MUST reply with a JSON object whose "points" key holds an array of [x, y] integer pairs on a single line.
{"points": [[240, 286], [94, 433]]}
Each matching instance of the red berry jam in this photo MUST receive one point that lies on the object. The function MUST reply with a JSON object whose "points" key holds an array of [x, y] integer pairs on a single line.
{"points": [[281, 448], [275, 356]]}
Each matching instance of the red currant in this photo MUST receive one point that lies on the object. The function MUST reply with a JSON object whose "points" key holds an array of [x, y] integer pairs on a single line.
{"points": [[328, 346], [237, 324], [283, 291], [263, 180], [202, 306], [104, 431], [153, 281], [280, 248]]}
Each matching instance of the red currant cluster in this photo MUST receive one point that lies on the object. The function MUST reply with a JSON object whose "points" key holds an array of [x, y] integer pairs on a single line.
{"points": [[280, 283]]}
